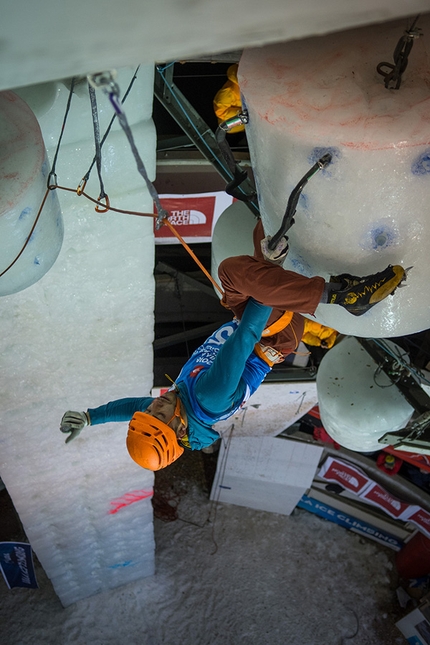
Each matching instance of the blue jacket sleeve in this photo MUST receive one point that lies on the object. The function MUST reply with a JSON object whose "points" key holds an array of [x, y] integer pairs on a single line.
{"points": [[120, 410]]}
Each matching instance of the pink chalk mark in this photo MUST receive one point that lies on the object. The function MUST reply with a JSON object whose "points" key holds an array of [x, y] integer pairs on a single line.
{"points": [[127, 499]]}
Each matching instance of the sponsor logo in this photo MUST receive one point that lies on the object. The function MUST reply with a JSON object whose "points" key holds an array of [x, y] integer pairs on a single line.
{"points": [[196, 370], [424, 519], [186, 217], [21, 559], [352, 481], [385, 497]]}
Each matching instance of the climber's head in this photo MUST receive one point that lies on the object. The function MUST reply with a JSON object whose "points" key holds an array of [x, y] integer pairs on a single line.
{"points": [[154, 436]]}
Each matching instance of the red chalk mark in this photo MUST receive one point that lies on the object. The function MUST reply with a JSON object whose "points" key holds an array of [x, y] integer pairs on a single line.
{"points": [[127, 499]]}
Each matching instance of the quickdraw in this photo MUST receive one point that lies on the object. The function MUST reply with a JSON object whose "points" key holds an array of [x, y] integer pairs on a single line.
{"points": [[392, 73]]}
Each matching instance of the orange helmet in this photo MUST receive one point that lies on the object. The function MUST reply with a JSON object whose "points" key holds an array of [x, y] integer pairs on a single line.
{"points": [[151, 443]]}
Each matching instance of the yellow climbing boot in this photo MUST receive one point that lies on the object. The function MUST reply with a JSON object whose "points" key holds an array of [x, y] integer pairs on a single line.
{"points": [[357, 295]]}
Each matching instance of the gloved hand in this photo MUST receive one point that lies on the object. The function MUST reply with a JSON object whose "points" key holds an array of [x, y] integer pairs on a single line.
{"points": [[279, 253], [74, 422]]}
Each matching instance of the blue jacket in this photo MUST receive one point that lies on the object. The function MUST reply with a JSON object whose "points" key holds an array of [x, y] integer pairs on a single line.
{"points": [[214, 383]]}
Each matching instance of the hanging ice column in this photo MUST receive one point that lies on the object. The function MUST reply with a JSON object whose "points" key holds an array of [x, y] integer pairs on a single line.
{"points": [[24, 170], [358, 406], [80, 337], [370, 207]]}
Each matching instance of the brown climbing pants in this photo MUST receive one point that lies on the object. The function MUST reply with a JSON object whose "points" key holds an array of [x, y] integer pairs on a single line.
{"points": [[245, 277]]}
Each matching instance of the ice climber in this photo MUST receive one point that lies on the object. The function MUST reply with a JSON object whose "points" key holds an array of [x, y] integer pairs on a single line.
{"points": [[267, 302]]}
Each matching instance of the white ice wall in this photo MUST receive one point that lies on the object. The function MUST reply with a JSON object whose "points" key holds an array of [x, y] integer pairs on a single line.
{"points": [[49, 40], [370, 206], [80, 337]]}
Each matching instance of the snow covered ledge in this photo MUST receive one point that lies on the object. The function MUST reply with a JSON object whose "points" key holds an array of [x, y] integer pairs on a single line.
{"points": [[79, 337]]}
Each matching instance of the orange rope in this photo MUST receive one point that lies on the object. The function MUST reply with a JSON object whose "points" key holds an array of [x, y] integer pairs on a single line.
{"points": [[195, 258], [107, 206]]}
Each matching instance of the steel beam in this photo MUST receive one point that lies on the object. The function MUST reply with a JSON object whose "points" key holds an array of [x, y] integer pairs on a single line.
{"points": [[181, 110]]}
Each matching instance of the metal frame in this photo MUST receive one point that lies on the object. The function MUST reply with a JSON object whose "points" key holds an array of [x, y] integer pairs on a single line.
{"points": [[416, 436], [188, 119]]}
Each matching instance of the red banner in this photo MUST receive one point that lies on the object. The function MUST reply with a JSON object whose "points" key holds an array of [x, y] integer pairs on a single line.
{"points": [[382, 498], [194, 216], [355, 480], [348, 476]]}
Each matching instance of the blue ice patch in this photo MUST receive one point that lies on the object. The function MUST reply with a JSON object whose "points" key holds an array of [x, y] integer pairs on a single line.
{"points": [[26, 211], [244, 107], [421, 165], [120, 565]]}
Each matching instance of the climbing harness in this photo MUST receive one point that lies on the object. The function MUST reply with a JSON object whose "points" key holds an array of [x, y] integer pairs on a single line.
{"points": [[392, 73], [278, 325], [268, 354]]}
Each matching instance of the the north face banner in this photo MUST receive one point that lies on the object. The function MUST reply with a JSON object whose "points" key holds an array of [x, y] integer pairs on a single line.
{"points": [[356, 481], [194, 216], [347, 475]]}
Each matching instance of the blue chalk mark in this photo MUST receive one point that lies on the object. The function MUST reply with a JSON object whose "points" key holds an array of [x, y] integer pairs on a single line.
{"points": [[227, 487], [120, 565], [379, 238], [243, 102], [300, 265], [421, 165], [257, 186], [36, 260], [25, 212], [44, 168], [304, 202], [317, 153], [382, 237]]}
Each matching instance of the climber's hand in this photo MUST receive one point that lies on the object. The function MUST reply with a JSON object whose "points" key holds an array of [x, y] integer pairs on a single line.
{"points": [[279, 253], [73, 422]]}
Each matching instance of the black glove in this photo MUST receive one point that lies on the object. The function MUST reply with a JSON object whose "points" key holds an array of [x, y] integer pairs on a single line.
{"points": [[74, 422]]}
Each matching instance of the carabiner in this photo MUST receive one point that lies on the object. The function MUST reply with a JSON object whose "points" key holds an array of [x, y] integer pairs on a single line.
{"points": [[99, 208], [162, 215], [102, 80], [52, 181], [80, 189]]}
